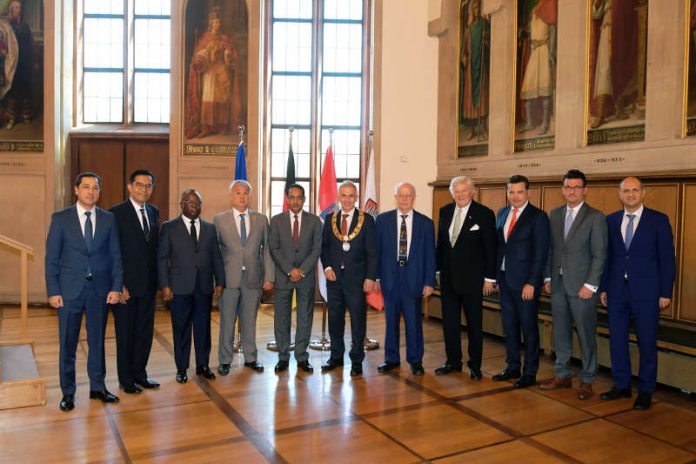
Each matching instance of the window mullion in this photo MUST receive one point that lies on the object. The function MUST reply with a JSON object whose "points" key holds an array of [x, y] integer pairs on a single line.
{"points": [[128, 60], [315, 146]]}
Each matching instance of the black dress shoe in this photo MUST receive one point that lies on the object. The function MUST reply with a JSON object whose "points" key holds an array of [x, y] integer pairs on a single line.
{"points": [[181, 376], [281, 366], [417, 369], [643, 401], [475, 374], [224, 369], [305, 366], [147, 383], [67, 403], [387, 366], [447, 368], [356, 370], [525, 381], [255, 365], [131, 388], [104, 396], [205, 372], [331, 364], [506, 375], [616, 393]]}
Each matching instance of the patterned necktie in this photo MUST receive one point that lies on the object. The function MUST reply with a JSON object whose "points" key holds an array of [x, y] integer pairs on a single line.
{"points": [[513, 221], [568, 222], [88, 240], [629, 230], [456, 227], [242, 230], [296, 232], [344, 225], [146, 229], [194, 237], [403, 241]]}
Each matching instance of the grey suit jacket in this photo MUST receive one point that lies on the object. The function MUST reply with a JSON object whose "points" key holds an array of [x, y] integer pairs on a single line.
{"points": [[254, 256], [287, 257], [582, 254]]}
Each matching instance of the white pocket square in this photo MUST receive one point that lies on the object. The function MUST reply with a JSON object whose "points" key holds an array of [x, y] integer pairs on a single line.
{"points": [[474, 227]]}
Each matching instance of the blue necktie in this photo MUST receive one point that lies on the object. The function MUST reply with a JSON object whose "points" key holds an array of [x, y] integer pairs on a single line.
{"points": [[629, 230], [88, 239], [242, 230]]}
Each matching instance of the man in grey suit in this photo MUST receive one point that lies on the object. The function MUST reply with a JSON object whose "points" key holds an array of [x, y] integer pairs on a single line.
{"points": [[295, 245], [188, 259], [249, 271], [573, 273]]}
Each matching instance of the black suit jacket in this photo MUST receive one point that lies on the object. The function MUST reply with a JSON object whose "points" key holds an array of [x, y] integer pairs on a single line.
{"points": [[464, 266], [138, 255], [526, 249], [360, 261], [181, 264]]}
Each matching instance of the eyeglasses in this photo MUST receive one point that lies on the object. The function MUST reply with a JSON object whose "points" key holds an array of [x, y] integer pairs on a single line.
{"points": [[191, 203], [141, 186], [570, 188]]}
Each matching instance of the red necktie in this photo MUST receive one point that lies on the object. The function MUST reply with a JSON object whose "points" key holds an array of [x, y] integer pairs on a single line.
{"points": [[344, 225], [512, 221], [296, 233]]}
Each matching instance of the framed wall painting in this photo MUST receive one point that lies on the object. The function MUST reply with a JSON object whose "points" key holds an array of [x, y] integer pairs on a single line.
{"points": [[618, 32], [215, 76], [473, 79]]}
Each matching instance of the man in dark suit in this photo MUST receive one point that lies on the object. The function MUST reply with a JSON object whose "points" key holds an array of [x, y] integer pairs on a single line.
{"points": [[138, 230], [249, 271], [466, 261], [573, 271], [188, 260], [637, 283], [83, 275], [349, 257], [406, 274], [295, 244], [523, 246]]}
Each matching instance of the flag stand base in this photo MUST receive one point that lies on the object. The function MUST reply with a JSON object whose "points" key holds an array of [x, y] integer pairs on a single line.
{"points": [[371, 343], [273, 346], [321, 344]]}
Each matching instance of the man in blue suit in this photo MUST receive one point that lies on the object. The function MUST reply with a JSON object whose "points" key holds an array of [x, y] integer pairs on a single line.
{"points": [[406, 274], [637, 283], [523, 244], [83, 275]]}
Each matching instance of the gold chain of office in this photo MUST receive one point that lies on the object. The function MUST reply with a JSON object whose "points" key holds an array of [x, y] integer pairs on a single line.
{"points": [[352, 235]]}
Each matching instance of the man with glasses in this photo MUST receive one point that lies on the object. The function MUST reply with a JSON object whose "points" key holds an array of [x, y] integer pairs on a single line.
{"points": [[573, 273], [138, 229], [189, 259]]}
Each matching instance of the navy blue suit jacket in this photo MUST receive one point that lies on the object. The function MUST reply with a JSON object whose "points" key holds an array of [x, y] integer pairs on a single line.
{"points": [[649, 263], [420, 270], [526, 249], [180, 264], [67, 257], [360, 261]]}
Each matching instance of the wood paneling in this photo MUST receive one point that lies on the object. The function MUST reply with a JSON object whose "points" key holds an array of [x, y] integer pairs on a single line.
{"points": [[493, 197], [687, 289], [115, 157]]}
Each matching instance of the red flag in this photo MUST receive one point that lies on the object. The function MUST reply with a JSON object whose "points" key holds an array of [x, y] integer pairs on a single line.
{"points": [[375, 299], [328, 192]]}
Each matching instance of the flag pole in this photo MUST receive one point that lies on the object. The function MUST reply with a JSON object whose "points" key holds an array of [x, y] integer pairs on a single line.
{"points": [[370, 343], [323, 343], [237, 346], [272, 345]]}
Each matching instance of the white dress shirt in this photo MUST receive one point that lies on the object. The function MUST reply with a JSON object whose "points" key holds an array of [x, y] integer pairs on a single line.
{"points": [[238, 221], [409, 231], [196, 222], [81, 216], [299, 222], [464, 210], [506, 226], [140, 216]]}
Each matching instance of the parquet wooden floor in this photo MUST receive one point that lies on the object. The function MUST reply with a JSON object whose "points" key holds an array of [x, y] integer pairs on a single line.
{"points": [[294, 417]]}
